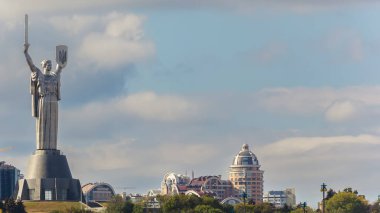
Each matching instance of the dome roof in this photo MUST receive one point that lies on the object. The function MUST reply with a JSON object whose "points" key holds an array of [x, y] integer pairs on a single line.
{"points": [[245, 157]]}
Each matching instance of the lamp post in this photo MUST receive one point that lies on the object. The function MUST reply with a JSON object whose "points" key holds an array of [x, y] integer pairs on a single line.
{"points": [[323, 190], [304, 207]]}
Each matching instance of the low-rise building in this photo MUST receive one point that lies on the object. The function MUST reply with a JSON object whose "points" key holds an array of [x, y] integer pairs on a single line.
{"points": [[214, 186], [9, 176], [98, 192], [211, 185], [173, 184], [280, 198]]}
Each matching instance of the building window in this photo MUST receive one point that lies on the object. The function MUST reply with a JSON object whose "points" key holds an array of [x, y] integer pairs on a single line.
{"points": [[31, 194], [48, 195]]}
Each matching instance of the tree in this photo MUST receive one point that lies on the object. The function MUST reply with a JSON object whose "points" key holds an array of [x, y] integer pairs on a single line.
{"points": [[12, 206], [9, 204], [118, 205], [285, 209], [300, 210], [206, 200], [239, 208], [206, 208], [330, 194], [228, 208], [172, 204], [19, 208], [346, 202], [2, 206], [193, 201], [375, 208], [138, 208], [263, 208]]}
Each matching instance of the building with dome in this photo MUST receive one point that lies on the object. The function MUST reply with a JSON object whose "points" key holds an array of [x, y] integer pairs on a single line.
{"points": [[246, 176], [98, 192]]}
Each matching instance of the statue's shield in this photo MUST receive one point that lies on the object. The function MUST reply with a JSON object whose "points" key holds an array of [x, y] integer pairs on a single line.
{"points": [[61, 55]]}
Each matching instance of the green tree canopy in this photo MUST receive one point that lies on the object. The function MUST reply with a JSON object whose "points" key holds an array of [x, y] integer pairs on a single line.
{"points": [[346, 202], [330, 194], [119, 205], [263, 208], [206, 208], [12, 206], [239, 208]]}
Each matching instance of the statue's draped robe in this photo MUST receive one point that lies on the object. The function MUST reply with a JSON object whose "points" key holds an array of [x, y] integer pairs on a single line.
{"points": [[45, 93]]}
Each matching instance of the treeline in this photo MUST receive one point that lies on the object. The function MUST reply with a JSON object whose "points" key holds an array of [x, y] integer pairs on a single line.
{"points": [[346, 201], [12, 206], [190, 204]]}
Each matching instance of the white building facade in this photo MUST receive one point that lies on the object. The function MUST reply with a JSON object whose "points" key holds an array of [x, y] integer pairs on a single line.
{"points": [[280, 198]]}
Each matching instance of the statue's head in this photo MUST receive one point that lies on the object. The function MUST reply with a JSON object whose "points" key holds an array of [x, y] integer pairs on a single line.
{"points": [[46, 66]]}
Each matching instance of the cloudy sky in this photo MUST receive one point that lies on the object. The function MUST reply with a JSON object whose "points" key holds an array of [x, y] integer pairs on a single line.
{"points": [[170, 85]]}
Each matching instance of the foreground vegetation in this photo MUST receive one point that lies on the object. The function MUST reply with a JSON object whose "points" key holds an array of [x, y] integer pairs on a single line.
{"points": [[346, 201], [13, 206]]}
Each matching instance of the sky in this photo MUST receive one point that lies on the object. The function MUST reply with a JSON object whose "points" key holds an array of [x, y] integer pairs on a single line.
{"points": [[162, 86]]}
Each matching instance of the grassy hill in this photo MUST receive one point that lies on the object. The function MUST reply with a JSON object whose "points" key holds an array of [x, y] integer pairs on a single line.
{"points": [[48, 206]]}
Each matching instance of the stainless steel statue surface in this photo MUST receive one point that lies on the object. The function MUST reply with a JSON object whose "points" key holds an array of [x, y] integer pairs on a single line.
{"points": [[45, 91], [48, 176]]}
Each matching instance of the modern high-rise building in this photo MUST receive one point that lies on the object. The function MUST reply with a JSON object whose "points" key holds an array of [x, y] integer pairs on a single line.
{"points": [[9, 176], [246, 176]]}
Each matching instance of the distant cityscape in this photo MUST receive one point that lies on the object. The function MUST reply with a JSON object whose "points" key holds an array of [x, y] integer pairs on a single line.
{"points": [[245, 183]]}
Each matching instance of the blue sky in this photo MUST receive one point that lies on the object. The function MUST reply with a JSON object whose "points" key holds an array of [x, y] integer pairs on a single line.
{"points": [[155, 87]]}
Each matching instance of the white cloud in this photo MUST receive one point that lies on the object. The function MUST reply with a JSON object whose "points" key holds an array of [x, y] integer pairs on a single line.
{"points": [[335, 104], [298, 145], [340, 161], [122, 42], [75, 24], [149, 105], [129, 154], [341, 111], [126, 26], [145, 105]]}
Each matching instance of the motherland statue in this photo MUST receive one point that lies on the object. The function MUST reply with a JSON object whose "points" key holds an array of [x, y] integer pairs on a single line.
{"points": [[48, 176], [45, 91]]}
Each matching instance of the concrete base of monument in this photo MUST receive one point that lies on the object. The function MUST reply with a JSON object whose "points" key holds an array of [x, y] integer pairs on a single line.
{"points": [[48, 178]]}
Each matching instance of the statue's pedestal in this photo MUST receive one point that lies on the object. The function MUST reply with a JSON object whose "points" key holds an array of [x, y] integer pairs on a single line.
{"points": [[48, 178]]}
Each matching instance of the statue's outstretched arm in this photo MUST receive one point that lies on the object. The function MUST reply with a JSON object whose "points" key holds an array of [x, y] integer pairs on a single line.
{"points": [[29, 59], [59, 69]]}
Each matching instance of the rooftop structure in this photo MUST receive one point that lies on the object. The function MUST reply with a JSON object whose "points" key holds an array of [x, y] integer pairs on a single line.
{"points": [[98, 192], [211, 185]]}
